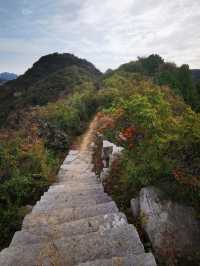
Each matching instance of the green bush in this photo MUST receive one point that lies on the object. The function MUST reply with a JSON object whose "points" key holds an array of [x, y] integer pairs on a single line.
{"points": [[164, 142]]}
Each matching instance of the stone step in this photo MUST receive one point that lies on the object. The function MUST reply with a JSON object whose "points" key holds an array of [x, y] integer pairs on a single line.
{"points": [[146, 259], [36, 234], [65, 175], [74, 187], [73, 152], [63, 215], [70, 158], [76, 166], [74, 193], [67, 197], [120, 241], [74, 182], [46, 206], [76, 178], [86, 174], [78, 227], [55, 194]]}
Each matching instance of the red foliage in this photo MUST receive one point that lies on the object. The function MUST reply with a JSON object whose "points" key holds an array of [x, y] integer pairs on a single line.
{"points": [[128, 135], [184, 179]]}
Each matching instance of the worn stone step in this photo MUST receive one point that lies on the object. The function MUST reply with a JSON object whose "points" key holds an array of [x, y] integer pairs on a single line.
{"points": [[74, 173], [63, 215], [87, 172], [77, 165], [145, 259], [120, 241], [70, 158], [46, 206], [62, 195], [73, 194], [78, 227], [74, 186], [65, 198], [36, 234], [51, 193], [67, 177], [73, 152], [74, 182]]}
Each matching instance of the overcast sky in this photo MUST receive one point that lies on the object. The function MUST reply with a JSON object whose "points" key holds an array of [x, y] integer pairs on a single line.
{"points": [[105, 32]]}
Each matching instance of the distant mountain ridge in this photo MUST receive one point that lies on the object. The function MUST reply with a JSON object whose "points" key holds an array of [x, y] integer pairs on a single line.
{"points": [[195, 74], [6, 76]]}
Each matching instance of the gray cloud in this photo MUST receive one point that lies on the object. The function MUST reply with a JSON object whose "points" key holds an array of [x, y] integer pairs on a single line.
{"points": [[107, 33]]}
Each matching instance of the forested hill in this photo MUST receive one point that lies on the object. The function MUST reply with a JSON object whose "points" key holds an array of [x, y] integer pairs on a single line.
{"points": [[181, 80], [49, 64], [51, 77]]}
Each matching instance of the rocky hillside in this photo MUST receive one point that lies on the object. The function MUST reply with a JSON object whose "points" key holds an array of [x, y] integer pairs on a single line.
{"points": [[50, 78]]}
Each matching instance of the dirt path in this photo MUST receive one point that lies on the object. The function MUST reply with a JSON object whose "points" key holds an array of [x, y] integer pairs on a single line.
{"points": [[89, 134], [81, 143]]}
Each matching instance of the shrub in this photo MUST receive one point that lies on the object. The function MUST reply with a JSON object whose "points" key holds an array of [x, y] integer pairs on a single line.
{"points": [[160, 134]]}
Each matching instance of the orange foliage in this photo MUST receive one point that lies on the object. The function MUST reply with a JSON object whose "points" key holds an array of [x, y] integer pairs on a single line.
{"points": [[105, 121], [109, 121]]}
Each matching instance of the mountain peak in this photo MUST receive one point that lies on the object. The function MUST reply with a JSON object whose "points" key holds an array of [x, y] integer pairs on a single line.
{"points": [[6, 76]]}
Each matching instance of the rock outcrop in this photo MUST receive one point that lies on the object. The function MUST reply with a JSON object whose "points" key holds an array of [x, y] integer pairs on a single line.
{"points": [[172, 228], [110, 153], [76, 223]]}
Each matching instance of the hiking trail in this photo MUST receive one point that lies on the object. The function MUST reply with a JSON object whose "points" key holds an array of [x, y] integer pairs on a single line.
{"points": [[76, 222]]}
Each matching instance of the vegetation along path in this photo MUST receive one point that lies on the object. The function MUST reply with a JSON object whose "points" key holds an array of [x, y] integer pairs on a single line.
{"points": [[76, 223]]}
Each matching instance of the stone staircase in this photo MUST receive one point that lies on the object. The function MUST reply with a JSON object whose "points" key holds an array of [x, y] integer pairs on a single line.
{"points": [[76, 223]]}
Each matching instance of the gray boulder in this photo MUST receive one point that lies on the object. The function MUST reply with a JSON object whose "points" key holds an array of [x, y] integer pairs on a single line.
{"points": [[173, 229]]}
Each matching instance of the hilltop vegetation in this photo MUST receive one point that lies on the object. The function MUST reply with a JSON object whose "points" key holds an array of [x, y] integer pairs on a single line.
{"points": [[142, 106], [180, 79], [51, 78]]}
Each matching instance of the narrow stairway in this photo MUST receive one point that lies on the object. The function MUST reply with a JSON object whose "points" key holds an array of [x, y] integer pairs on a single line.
{"points": [[76, 223]]}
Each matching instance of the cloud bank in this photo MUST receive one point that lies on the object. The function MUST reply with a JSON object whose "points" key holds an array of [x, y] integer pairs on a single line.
{"points": [[108, 33]]}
